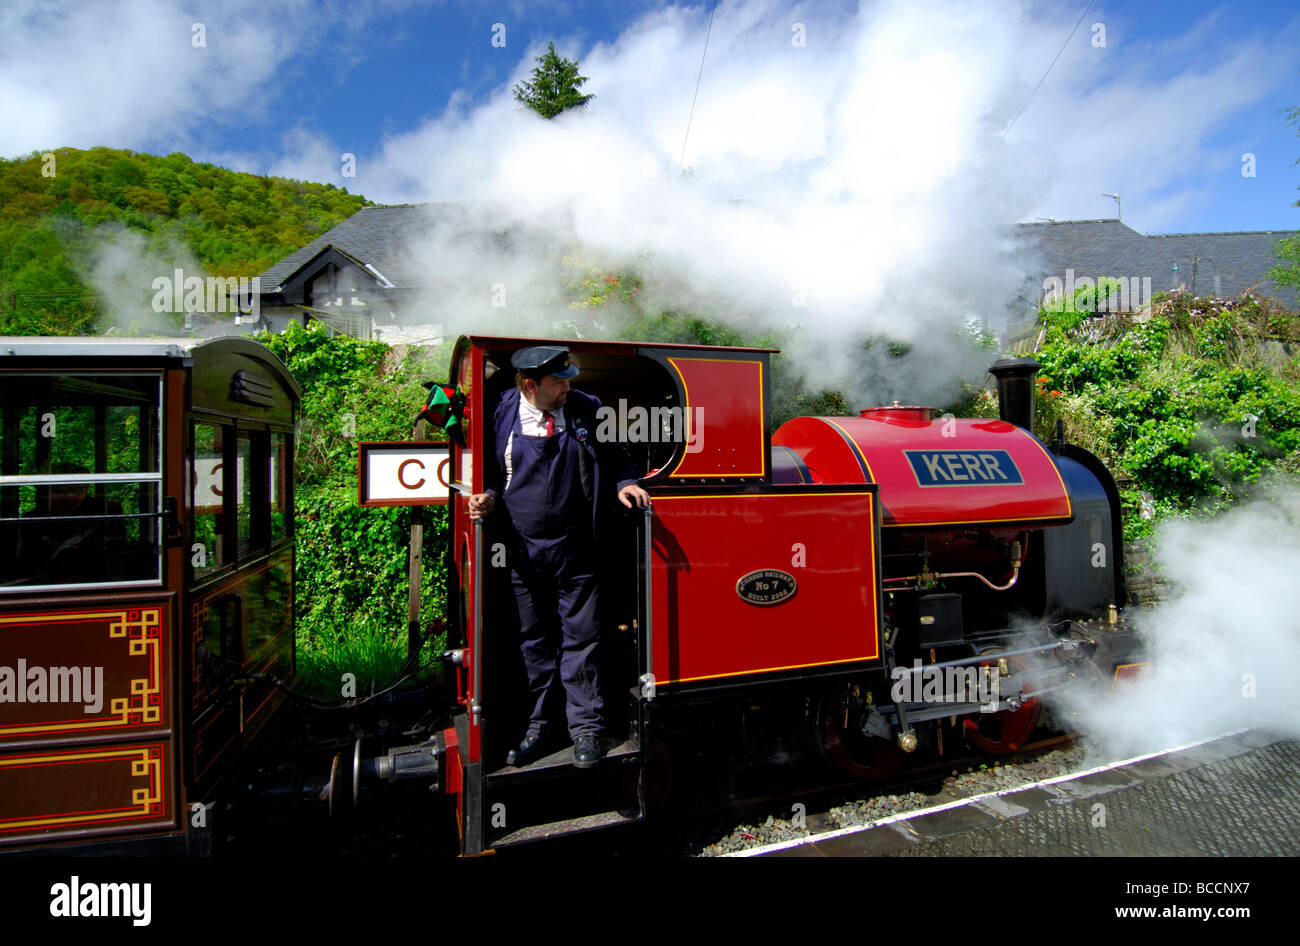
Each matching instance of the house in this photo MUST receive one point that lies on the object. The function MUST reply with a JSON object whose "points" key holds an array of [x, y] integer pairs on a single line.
{"points": [[1062, 254], [390, 272]]}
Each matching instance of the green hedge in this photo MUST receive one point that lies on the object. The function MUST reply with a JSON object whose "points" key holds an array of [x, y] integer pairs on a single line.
{"points": [[1197, 401], [352, 561]]}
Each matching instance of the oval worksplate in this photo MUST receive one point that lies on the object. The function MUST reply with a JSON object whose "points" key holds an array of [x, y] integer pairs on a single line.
{"points": [[767, 586]]}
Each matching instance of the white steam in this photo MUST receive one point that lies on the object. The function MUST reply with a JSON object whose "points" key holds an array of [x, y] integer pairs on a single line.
{"points": [[847, 174], [121, 266], [1225, 649], [854, 186]]}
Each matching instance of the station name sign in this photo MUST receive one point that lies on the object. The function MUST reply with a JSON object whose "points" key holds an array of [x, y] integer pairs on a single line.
{"points": [[402, 473]]}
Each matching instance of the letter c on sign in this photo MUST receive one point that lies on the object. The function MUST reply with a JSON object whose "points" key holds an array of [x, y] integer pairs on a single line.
{"points": [[444, 469], [401, 473]]}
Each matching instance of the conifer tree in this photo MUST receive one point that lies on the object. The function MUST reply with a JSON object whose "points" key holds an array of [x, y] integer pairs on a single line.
{"points": [[554, 85]]}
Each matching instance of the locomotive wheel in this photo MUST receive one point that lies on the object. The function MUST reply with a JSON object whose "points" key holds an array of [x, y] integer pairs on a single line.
{"points": [[862, 756], [1005, 732]]}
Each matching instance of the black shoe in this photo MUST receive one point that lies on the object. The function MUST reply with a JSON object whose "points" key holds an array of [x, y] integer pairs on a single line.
{"points": [[587, 751], [529, 750]]}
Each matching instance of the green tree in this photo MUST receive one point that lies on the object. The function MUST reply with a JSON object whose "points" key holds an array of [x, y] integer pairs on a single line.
{"points": [[1288, 250], [554, 85]]}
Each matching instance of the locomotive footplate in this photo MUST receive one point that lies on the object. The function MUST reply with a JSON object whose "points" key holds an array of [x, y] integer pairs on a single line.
{"points": [[562, 758], [551, 797]]}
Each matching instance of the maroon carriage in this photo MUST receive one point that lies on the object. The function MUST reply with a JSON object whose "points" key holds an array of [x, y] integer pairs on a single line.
{"points": [[146, 568]]}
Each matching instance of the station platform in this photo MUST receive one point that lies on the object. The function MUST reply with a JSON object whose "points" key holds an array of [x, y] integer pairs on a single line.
{"points": [[1236, 795]]}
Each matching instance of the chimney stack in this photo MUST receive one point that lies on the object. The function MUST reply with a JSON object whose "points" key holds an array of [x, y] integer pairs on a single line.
{"points": [[1015, 378]]}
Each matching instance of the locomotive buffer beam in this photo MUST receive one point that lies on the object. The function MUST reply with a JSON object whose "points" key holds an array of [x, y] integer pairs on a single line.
{"points": [[401, 763]]}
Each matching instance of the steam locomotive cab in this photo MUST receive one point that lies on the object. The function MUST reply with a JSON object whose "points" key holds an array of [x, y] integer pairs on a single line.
{"points": [[727, 584]]}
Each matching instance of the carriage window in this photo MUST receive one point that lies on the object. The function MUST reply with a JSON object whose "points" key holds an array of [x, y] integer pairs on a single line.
{"points": [[207, 548], [244, 491], [237, 496], [281, 471], [80, 479]]}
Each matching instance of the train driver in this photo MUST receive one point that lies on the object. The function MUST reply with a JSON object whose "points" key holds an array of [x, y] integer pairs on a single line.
{"points": [[545, 473]]}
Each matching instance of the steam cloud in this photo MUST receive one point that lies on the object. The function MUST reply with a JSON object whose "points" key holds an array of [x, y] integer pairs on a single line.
{"points": [[1225, 649], [120, 265], [854, 186]]}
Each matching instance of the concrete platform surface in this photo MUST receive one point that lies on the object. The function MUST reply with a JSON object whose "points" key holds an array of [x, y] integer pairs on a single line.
{"points": [[1237, 795]]}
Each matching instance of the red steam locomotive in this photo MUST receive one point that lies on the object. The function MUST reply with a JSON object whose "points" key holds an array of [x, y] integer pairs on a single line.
{"points": [[887, 578]]}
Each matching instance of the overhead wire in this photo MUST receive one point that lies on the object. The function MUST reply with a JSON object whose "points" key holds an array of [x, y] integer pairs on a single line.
{"points": [[682, 160], [1049, 68]]}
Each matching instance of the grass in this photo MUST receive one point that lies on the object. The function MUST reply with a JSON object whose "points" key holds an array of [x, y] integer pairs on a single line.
{"points": [[371, 651]]}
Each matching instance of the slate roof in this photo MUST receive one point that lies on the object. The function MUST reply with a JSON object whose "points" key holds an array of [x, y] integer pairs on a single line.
{"points": [[380, 236], [1095, 248]]}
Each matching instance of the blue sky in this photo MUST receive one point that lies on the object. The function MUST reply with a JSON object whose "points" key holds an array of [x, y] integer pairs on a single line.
{"points": [[1169, 105]]}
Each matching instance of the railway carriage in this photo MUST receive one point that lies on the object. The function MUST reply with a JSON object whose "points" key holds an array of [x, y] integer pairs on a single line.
{"points": [[146, 569]]}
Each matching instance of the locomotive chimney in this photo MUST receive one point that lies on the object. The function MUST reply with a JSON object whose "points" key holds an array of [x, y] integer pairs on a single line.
{"points": [[1016, 390]]}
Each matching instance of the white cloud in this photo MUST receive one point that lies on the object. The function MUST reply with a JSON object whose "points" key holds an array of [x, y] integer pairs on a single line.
{"points": [[310, 156], [127, 73], [1139, 117]]}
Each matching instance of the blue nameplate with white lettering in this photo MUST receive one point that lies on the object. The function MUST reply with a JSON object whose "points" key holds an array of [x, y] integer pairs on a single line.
{"points": [[964, 468]]}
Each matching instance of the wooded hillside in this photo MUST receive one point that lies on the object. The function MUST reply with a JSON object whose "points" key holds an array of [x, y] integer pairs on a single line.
{"points": [[58, 208]]}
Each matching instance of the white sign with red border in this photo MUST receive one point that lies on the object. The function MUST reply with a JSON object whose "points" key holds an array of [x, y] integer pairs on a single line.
{"points": [[395, 473]]}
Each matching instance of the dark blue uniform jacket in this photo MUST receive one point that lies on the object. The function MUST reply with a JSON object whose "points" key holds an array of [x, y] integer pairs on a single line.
{"points": [[600, 463]]}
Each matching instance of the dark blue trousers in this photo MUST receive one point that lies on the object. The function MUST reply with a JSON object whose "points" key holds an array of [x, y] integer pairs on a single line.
{"points": [[556, 596]]}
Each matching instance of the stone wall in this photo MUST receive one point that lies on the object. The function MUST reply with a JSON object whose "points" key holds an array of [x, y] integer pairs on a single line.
{"points": [[1145, 583]]}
